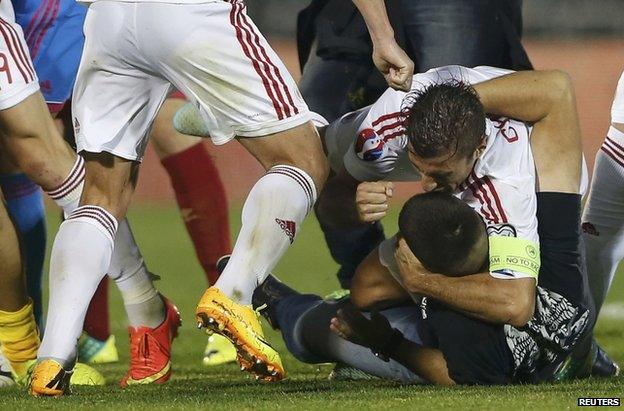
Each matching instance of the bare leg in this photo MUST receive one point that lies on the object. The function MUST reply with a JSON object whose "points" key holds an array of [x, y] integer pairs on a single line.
{"points": [[12, 284]]}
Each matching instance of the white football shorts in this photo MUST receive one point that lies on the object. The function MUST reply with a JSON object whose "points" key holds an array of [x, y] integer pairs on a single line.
{"points": [[136, 53], [18, 79]]}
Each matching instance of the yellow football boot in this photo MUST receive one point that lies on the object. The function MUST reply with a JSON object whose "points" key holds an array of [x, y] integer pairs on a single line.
{"points": [[85, 375], [93, 351], [240, 325]]}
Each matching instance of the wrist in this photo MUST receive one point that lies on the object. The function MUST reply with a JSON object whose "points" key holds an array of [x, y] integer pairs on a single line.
{"points": [[424, 283], [382, 36]]}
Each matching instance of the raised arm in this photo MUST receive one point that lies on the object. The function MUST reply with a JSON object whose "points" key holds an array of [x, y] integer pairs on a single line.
{"points": [[545, 98], [388, 57]]}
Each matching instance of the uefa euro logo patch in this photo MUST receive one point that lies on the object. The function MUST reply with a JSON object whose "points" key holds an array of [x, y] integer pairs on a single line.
{"points": [[369, 146]]}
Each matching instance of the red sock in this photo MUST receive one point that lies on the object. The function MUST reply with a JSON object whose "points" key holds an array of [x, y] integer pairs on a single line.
{"points": [[203, 204], [96, 322]]}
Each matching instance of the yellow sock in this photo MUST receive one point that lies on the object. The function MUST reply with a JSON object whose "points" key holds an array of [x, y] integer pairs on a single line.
{"points": [[19, 337]]}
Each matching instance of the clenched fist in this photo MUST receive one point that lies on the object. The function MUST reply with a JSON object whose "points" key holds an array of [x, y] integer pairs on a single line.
{"points": [[396, 67], [371, 200]]}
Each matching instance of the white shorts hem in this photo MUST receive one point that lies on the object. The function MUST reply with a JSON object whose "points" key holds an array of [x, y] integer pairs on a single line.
{"points": [[125, 156], [21, 95], [265, 129]]}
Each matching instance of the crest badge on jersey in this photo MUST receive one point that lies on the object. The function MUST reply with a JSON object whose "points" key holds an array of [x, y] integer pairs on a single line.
{"points": [[369, 146]]}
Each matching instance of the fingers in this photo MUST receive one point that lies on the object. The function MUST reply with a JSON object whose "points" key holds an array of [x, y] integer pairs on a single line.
{"points": [[335, 327], [376, 187], [340, 327], [398, 68], [401, 77], [372, 200], [399, 80], [353, 317]]}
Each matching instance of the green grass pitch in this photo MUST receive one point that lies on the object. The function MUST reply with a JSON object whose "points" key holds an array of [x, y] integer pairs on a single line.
{"points": [[309, 267]]}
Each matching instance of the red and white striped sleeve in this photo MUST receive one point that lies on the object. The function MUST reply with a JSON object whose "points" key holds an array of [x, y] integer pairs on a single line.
{"points": [[380, 140]]}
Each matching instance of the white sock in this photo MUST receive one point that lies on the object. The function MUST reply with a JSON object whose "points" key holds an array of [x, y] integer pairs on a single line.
{"points": [[67, 195], [81, 255], [603, 219], [126, 260], [143, 304], [273, 212]]}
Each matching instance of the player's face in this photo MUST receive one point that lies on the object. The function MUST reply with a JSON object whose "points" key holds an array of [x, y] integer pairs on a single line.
{"points": [[445, 172]]}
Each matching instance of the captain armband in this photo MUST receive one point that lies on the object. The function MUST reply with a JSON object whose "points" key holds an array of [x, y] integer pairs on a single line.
{"points": [[514, 254]]}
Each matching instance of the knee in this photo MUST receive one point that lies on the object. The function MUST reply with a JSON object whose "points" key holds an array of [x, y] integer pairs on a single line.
{"points": [[309, 156], [109, 183], [317, 167]]}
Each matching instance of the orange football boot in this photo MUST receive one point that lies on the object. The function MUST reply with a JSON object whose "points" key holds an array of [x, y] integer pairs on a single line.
{"points": [[48, 378], [150, 350]]}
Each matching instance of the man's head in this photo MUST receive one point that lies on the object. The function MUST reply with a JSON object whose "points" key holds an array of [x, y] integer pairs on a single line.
{"points": [[445, 125], [445, 234]]}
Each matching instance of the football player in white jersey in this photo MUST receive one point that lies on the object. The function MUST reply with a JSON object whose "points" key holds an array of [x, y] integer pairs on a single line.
{"points": [[31, 141], [379, 153], [456, 149], [29, 138], [494, 173], [603, 219], [135, 53], [489, 164]]}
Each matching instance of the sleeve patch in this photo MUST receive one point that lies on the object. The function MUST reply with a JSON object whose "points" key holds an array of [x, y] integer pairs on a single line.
{"points": [[502, 230], [514, 254], [369, 146]]}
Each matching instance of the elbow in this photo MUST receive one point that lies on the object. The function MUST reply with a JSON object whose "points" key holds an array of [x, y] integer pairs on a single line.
{"points": [[560, 86], [519, 310]]}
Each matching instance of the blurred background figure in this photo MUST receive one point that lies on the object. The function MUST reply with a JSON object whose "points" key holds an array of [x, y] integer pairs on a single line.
{"points": [[334, 47]]}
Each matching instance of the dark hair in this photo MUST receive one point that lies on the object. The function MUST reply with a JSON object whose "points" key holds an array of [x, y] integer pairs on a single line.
{"points": [[444, 119], [442, 231]]}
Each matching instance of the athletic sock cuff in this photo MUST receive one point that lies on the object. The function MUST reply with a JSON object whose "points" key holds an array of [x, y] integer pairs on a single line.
{"points": [[300, 177], [70, 189], [613, 145], [10, 317], [616, 135], [96, 216]]}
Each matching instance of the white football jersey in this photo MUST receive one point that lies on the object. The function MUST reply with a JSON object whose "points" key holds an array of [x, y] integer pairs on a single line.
{"points": [[502, 184]]}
